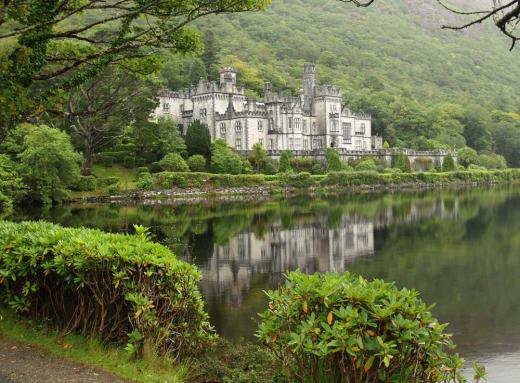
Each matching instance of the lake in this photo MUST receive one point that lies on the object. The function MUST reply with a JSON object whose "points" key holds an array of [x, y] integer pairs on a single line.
{"points": [[459, 248]]}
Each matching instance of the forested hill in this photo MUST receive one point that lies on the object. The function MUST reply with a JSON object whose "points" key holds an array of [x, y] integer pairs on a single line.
{"points": [[384, 57]]}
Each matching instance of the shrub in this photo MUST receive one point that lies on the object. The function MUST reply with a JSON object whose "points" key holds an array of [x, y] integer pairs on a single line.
{"points": [[173, 162], [223, 160], [302, 164], [12, 189], [491, 160], [155, 167], [467, 156], [198, 139], [197, 163], [142, 169], [103, 182], [343, 328], [113, 189], [128, 162], [448, 165], [86, 183], [271, 166], [258, 157], [333, 161], [300, 180], [366, 165], [119, 288], [285, 165], [317, 168], [401, 161], [144, 181]]}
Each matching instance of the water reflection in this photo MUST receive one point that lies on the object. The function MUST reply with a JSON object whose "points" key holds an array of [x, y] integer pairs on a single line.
{"points": [[458, 247]]}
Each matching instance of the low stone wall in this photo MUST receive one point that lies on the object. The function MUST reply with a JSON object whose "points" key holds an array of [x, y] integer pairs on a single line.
{"points": [[436, 156]]}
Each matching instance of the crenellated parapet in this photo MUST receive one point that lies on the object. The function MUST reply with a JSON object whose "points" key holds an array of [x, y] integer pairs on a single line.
{"points": [[327, 90]]}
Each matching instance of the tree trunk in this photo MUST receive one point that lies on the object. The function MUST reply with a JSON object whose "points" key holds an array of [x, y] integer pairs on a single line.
{"points": [[86, 168]]}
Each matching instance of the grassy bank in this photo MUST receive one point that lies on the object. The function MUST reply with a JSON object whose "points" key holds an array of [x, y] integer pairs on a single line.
{"points": [[91, 352], [338, 181]]}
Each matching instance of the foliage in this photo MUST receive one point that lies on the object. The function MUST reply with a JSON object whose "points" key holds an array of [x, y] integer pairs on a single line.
{"points": [[197, 163], [284, 166], [258, 157], [48, 164], [448, 165], [198, 139], [386, 145], [50, 48], [153, 140], [297, 180], [466, 156], [423, 164], [366, 165], [303, 164], [333, 161], [402, 162], [173, 162], [330, 327], [125, 288], [85, 183], [223, 160], [12, 189], [144, 181], [490, 160], [107, 181]]}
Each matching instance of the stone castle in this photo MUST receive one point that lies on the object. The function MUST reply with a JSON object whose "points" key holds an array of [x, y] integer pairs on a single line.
{"points": [[310, 122]]}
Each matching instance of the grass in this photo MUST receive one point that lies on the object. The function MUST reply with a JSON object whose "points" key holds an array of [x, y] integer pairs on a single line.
{"points": [[91, 352], [126, 180]]}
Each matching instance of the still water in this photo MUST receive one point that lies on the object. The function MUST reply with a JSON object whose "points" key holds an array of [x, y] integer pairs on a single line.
{"points": [[460, 248]]}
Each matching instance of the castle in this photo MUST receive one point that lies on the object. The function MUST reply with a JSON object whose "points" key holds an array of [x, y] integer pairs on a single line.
{"points": [[310, 122]]}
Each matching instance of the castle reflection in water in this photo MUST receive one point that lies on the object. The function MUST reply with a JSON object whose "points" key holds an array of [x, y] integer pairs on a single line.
{"points": [[310, 246]]}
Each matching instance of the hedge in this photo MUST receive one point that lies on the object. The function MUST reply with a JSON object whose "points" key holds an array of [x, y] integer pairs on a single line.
{"points": [[116, 287], [166, 180], [86, 183]]}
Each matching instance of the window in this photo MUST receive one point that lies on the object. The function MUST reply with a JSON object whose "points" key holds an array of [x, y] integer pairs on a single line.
{"points": [[271, 143], [297, 143], [364, 145], [305, 144], [360, 130], [358, 145], [271, 124], [222, 128], [291, 143], [290, 124], [347, 131], [238, 144], [203, 112], [166, 107], [304, 126], [260, 126], [238, 126], [297, 124], [316, 143], [335, 126], [333, 107], [261, 141]]}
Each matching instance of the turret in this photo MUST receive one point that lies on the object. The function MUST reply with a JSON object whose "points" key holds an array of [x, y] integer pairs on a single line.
{"points": [[309, 74]]}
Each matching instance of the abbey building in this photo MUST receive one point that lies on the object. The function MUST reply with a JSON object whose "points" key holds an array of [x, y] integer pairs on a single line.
{"points": [[310, 122]]}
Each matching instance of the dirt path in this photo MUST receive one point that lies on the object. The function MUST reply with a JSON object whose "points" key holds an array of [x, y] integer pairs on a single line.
{"points": [[21, 363]]}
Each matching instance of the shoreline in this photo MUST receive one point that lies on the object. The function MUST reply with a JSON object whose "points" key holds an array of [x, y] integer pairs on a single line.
{"points": [[181, 196]]}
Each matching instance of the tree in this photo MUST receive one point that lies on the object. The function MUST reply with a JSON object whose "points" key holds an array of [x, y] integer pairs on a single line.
{"points": [[467, 156], [11, 185], [58, 45], [258, 157], [223, 160], [198, 139], [285, 165], [48, 165], [173, 162], [152, 140], [448, 165], [197, 163], [402, 162], [504, 14], [97, 111], [333, 161]]}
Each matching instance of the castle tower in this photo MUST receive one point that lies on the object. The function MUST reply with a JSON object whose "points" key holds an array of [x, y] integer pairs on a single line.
{"points": [[309, 74], [228, 79]]}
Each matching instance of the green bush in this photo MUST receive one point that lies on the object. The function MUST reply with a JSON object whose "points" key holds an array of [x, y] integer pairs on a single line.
{"points": [[448, 165], [285, 164], [113, 189], [197, 163], [173, 162], [144, 181], [104, 182], [300, 180], [423, 164], [491, 160], [333, 161], [366, 165], [302, 164], [142, 169], [128, 162], [224, 160], [401, 161], [119, 288], [343, 328], [86, 183], [155, 167]]}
